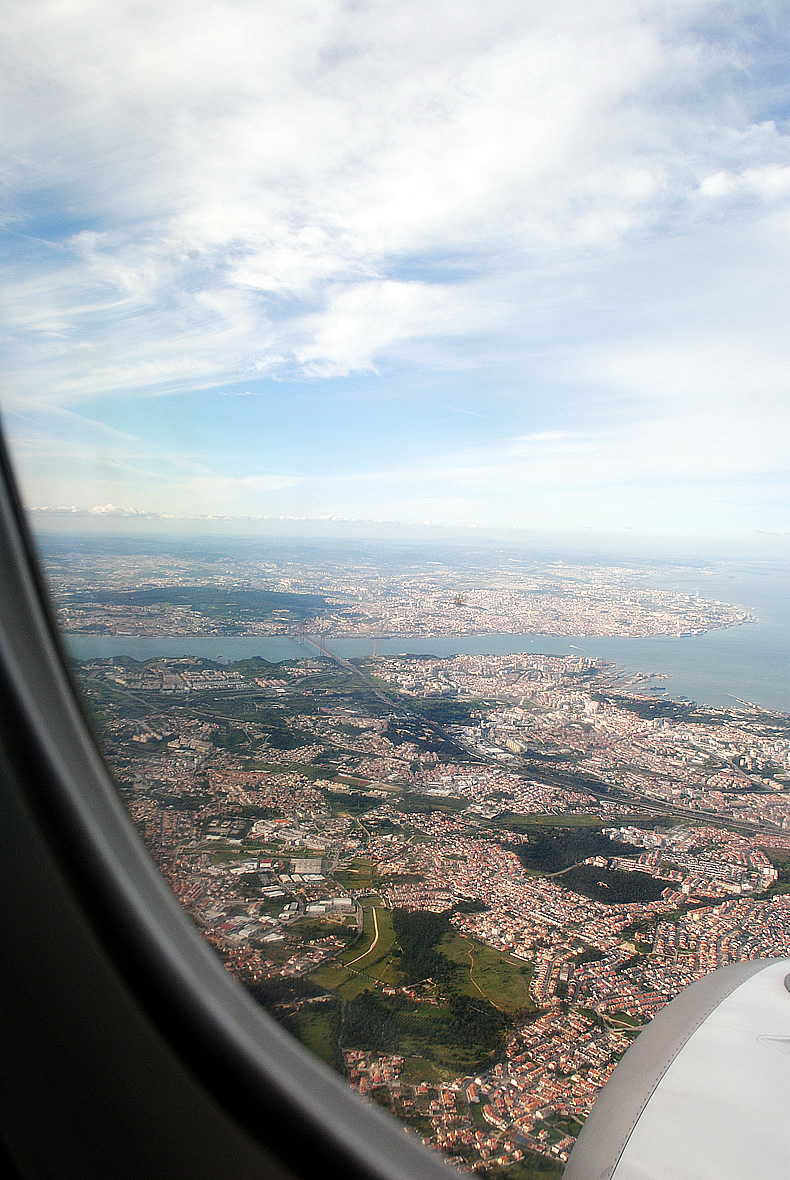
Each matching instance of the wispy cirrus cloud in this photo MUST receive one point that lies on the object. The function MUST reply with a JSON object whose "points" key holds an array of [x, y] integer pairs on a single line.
{"points": [[568, 223], [238, 174]]}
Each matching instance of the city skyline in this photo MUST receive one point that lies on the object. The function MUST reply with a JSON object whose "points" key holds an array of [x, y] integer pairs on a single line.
{"points": [[428, 264]]}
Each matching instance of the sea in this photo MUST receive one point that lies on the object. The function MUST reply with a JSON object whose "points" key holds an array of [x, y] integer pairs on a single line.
{"points": [[749, 664]]}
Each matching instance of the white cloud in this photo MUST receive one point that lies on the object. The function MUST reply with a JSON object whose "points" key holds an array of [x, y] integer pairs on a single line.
{"points": [[113, 510], [252, 172], [771, 182], [362, 321], [587, 205]]}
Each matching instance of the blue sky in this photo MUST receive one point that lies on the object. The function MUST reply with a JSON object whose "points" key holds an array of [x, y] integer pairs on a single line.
{"points": [[496, 266]]}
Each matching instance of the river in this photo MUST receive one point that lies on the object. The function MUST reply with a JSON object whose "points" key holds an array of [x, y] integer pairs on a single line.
{"points": [[747, 663]]}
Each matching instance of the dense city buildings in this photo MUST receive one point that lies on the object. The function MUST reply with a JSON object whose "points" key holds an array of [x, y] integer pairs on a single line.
{"points": [[464, 882], [168, 594]]}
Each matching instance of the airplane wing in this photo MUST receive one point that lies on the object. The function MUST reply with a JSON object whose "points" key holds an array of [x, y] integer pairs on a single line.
{"points": [[704, 1092]]}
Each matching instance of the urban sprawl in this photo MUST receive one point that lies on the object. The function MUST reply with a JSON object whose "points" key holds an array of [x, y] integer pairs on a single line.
{"points": [[466, 882]]}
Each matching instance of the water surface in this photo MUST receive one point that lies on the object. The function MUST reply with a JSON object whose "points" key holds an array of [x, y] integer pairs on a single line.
{"points": [[747, 663]]}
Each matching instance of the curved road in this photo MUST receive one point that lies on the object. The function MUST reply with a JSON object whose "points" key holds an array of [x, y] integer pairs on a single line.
{"points": [[372, 945]]}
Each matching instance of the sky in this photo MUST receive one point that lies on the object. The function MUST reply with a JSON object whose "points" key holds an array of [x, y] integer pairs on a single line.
{"points": [[400, 264]]}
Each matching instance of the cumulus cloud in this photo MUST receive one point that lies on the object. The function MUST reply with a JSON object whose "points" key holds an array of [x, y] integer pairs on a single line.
{"points": [[113, 510], [246, 182], [586, 206], [771, 182], [361, 322]]}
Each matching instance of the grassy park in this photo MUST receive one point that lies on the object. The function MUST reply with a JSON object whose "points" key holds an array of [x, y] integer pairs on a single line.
{"points": [[463, 994], [358, 874], [497, 977]]}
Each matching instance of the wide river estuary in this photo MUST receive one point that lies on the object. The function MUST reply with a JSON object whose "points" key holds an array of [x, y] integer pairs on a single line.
{"points": [[748, 663]]}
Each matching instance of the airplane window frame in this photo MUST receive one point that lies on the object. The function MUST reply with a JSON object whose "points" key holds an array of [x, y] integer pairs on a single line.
{"points": [[304, 1119]]}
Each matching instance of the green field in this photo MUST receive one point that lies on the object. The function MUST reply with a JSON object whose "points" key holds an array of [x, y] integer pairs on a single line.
{"points": [[501, 980], [532, 1167], [353, 986], [420, 1069], [373, 964], [371, 955], [477, 988], [318, 1032], [476, 1109], [330, 976], [354, 804], [411, 801], [373, 927], [358, 875], [625, 1019], [462, 1035]]}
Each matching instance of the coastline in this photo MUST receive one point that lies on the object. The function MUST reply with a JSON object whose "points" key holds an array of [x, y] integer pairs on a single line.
{"points": [[718, 667]]}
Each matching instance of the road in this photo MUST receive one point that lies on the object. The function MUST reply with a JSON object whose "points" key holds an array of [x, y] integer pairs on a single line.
{"points": [[395, 705], [372, 945]]}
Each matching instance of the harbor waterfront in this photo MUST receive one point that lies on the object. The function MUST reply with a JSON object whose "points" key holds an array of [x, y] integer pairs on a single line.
{"points": [[748, 663]]}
